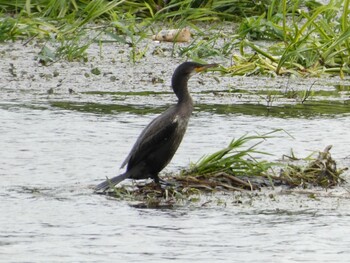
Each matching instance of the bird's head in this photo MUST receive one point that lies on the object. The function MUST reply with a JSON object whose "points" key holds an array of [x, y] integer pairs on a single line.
{"points": [[187, 69], [184, 72]]}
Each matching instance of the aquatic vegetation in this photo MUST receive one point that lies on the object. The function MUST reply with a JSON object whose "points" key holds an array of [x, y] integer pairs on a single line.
{"points": [[304, 38], [70, 48], [305, 42], [321, 171], [234, 168], [66, 16], [133, 33], [234, 160]]}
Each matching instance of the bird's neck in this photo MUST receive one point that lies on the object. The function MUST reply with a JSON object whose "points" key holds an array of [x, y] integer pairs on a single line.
{"points": [[184, 96], [185, 100], [181, 90]]}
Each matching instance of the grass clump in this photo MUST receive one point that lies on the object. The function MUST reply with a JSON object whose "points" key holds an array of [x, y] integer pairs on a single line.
{"points": [[233, 159], [305, 42], [70, 48]]}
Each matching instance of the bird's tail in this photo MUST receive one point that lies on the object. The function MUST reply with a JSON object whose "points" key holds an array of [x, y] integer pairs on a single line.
{"points": [[107, 184]]}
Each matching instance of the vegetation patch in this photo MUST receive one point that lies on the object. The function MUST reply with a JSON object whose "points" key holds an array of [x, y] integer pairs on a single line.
{"points": [[268, 37], [234, 168], [321, 171]]}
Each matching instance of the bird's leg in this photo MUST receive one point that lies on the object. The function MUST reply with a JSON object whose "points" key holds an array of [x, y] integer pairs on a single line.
{"points": [[166, 183], [156, 179], [160, 182]]}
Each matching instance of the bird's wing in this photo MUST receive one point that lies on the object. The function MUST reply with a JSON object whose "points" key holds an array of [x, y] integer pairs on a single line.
{"points": [[152, 137]]}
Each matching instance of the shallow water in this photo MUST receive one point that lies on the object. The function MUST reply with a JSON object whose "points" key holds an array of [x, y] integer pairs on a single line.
{"points": [[54, 147]]}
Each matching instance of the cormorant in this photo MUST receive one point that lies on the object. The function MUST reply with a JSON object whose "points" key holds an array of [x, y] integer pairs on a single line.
{"points": [[159, 141]]}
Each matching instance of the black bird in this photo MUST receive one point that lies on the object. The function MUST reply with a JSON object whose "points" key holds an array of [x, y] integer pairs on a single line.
{"points": [[159, 141]]}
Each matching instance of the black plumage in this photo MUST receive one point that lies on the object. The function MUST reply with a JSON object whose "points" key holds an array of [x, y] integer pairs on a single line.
{"points": [[159, 141]]}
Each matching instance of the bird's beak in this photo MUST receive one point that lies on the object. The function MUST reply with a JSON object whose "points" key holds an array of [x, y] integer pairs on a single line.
{"points": [[204, 67]]}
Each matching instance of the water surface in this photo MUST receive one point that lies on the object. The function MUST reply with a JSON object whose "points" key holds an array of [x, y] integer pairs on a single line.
{"points": [[56, 145]]}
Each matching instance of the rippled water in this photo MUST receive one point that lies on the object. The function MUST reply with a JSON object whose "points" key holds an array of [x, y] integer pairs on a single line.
{"points": [[54, 147], [49, 159]]}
